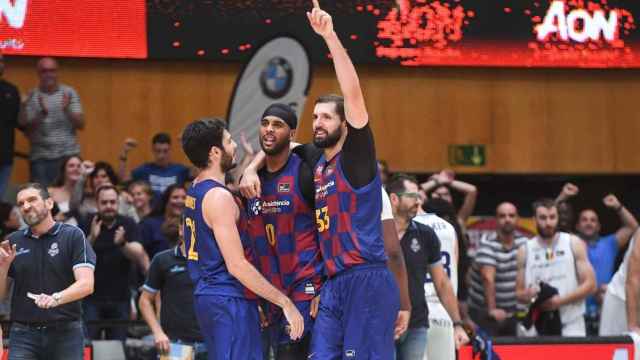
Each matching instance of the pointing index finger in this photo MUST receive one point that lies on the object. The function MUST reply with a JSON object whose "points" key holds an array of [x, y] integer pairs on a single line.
{"points": [[316, 4]]}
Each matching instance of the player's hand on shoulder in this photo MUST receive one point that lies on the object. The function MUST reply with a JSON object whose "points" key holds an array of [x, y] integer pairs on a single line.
{"points": [[250, 184]]}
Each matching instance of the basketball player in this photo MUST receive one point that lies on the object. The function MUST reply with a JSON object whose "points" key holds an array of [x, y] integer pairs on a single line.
{"points": [[283, 229], [621, 305], [423, 256], [560, 260], [217, 250], [359, 302], [441, 344]]}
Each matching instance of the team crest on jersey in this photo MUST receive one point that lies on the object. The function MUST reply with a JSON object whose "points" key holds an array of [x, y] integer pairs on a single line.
{"points": [[255, 207], [53, 250], [415, 245], [284, 187]]}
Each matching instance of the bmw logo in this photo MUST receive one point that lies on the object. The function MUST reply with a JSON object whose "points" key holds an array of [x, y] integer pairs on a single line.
{"points": [[276, 78]]}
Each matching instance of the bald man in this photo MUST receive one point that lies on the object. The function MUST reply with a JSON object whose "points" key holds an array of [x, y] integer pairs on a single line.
{"points": [[493, 277], [52, 116]]}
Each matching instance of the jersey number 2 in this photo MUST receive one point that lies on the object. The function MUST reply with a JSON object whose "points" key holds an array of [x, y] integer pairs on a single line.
{"points": [[322, 219], [191, 254]]}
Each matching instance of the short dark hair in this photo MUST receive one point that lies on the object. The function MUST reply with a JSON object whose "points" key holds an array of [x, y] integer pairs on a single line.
{"points": [[105, 188], [42, 190], [161, 138], [430, 193], [199, 137], [335, 99], [396, 184], [544, 202], [103, 165]]}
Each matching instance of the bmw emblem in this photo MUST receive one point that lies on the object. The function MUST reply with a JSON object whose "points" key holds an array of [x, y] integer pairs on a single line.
{"points": [[276, 78]]}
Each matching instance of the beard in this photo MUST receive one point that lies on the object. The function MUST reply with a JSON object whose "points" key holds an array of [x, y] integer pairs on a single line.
{"points": [[330, 140], [277, 148], [226, 162], [35, 217], [546, 232], [507, 229]]}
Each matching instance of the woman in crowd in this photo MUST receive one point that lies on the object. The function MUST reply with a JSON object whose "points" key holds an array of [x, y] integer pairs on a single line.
{"points": [[168, 208], [61, 191], [141, 196]]}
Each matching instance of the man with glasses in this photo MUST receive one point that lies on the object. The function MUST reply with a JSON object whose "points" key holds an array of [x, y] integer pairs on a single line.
{"points": [[52, 115], [421, 249]]}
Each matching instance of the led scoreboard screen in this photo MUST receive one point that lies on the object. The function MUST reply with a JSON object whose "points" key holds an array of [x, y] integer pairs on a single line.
{"points": [[82, 28], [505, 33], [522, 33]]}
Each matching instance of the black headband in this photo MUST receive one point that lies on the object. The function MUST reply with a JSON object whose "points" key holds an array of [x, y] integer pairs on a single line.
{"points": [[284, 112]]}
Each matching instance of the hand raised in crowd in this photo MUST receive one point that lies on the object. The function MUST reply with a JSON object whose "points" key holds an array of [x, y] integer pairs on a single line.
{"points": [[570, 190], [7, 254], [129, 144], [402, 323], [612, 202], [246, 145], [119, 237], [320, 20], [87, 167]]}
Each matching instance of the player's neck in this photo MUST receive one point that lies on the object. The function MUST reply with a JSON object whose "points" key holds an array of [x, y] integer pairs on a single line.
{"points": [[277, 161], [548, 241], [331, 152], [43, 227], [402, 224], [211, 173]]}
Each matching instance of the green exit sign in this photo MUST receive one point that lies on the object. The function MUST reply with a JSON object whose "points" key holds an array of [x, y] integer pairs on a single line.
{"points": [[467, 155]]}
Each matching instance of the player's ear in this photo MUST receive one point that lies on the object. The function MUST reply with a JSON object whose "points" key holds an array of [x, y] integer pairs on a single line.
{"points": [[292, 135]]}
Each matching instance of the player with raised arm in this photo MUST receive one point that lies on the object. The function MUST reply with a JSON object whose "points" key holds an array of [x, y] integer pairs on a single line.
{"points": [[359, 303], [219, 253]]}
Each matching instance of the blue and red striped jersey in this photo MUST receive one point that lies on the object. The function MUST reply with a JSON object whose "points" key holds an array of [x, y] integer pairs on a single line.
{"points": [[205, 262], [282, 227], [348, 219]]}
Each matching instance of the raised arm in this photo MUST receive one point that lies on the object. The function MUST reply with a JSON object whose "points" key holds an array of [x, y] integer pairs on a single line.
{"points": [[629, 222], [568, 191], [632, 287], [354, 106], [220, 212], [470, 195], [524, 294]]}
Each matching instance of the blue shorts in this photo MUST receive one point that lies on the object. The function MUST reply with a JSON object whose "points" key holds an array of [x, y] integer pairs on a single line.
{"points": [[277, 332], [357, 315], [230, 327]]}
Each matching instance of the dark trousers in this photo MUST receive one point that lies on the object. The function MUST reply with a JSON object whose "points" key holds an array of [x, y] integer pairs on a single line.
{"points": [[45, 171], [59, 342], [106, 310]]}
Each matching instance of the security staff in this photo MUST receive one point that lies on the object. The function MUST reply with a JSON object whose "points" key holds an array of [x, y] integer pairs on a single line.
{"points": [[51, 265]]}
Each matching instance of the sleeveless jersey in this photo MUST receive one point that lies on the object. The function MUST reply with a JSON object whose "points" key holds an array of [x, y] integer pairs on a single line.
{"points": [[283, 228], [441, 344], [206, 265], [347, 219], [557, 267], [617, 284]]}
